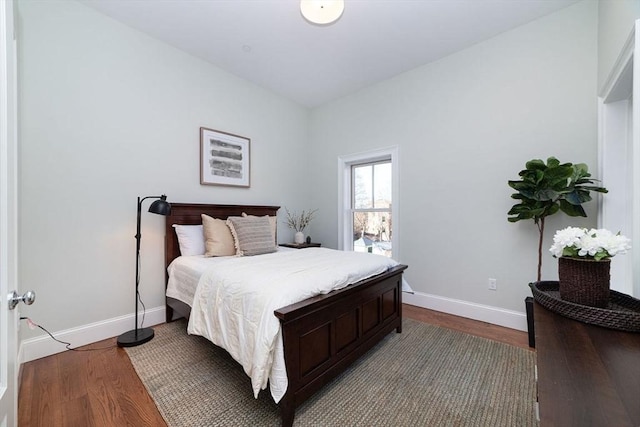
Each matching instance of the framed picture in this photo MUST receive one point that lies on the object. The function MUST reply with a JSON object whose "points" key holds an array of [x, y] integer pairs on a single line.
{"points": [[224, 158]]}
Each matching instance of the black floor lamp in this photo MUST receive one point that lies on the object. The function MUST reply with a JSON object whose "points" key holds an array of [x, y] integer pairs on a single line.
{"points": [[142, 335]]}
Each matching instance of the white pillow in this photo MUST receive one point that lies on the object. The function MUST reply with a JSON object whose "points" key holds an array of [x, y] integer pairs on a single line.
{"points": [[190, 239]]}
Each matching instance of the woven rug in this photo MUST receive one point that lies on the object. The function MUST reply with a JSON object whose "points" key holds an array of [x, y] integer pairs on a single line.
{"points": [[425, 376]]}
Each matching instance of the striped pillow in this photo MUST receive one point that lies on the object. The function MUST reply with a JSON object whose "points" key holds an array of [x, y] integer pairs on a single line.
{"points": [[252, 235], [273, 220]]}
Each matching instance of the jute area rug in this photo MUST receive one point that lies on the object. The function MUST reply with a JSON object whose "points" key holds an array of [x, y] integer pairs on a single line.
{"points": [[425, 376]]}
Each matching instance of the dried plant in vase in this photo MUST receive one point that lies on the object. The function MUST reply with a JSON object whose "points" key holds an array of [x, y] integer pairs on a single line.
{"points": [[298, 222]]}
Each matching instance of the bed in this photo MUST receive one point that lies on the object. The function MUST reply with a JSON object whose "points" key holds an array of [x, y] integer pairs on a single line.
{"points": [[321, 335]]}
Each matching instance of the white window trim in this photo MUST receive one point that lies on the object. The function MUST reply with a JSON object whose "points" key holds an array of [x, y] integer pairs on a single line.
{"points": [[344, 194]]}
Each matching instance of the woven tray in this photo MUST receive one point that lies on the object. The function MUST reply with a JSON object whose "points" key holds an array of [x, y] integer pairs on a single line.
{"points": [[622, 313]]}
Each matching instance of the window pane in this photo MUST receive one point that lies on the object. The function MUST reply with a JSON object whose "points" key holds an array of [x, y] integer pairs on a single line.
{"points": [[382, 185], [372, 232], [362, 187]]}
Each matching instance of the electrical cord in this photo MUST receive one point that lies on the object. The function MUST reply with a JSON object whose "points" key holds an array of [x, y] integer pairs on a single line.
{"points": [[34, 325], [144, 309]]}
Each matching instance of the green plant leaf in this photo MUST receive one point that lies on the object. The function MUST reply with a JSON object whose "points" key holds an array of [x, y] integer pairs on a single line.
{"points": [[577, 197], [517, 209], [535, 164], [581, 170], [570, 251], [550, 210], [518, 185], [600, 255], [559, 172], [572, 210], [581, 181], [552, 162], [545, 194], [596, 189]]}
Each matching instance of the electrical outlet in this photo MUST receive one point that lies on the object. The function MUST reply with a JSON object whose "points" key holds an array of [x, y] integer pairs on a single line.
{"points": [[493, 284]]}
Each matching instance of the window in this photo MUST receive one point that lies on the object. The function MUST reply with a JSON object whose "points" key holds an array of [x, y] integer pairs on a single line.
{"points": [[368, 202], [371, 207]]}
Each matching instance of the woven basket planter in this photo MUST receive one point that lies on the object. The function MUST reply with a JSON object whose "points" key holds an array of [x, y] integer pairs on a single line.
{"points": [[584, 281]]}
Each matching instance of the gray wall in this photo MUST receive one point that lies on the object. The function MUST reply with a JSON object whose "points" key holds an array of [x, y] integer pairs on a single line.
{"points": [[464, 126], [108, 114]]}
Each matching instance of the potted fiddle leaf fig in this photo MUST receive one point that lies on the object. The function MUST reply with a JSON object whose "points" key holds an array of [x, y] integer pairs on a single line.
{"points": [[546, 188]]}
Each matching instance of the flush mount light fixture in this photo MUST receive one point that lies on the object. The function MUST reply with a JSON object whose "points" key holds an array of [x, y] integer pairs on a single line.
{"points": [[321, 12]]}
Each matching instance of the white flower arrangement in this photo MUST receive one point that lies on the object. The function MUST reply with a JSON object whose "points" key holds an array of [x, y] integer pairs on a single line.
{"points": [[596, 244], [299, 221]]}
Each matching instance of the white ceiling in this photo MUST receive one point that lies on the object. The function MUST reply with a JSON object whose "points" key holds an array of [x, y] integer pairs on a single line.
{"points": [[269, 43]]}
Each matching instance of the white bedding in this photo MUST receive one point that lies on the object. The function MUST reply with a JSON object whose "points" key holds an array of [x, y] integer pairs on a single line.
{"points": [[235, 299], [185, 273]]}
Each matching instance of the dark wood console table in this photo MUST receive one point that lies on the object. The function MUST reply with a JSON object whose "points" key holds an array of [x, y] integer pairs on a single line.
{"points": [[587, 375]]}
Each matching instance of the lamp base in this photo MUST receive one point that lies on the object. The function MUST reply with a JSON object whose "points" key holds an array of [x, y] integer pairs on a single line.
{"points": [[135, 337]]}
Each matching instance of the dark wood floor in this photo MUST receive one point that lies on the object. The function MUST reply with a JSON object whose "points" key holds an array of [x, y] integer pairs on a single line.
{"points": [[101, 388]]}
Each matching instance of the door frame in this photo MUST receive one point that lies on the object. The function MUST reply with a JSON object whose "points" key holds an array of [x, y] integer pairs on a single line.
{"points": [[8, 215], [619, 117]]}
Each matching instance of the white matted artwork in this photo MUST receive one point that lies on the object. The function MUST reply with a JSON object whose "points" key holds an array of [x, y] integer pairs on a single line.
{"points": [[224, 158]]}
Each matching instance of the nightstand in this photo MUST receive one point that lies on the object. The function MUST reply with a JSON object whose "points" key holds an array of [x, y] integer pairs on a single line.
{"points": [[301, 245]]}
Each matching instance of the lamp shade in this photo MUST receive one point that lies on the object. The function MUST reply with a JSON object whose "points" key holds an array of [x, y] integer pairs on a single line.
{"points": [[160, 207], [322, 12]]}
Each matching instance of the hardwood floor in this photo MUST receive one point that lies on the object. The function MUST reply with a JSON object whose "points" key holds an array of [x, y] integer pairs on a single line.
{"points": [[87, 388], [100, 388], [473, 327]]}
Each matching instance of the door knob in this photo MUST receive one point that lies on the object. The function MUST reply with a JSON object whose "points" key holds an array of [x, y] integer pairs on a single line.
{"points": [[28, 298]]}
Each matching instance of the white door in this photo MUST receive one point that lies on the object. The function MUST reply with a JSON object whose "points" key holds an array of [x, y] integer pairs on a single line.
{"points": [[8, 216]]}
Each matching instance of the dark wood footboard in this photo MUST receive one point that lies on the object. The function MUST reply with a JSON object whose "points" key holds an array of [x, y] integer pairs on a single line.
{"points": [[323, 335]]}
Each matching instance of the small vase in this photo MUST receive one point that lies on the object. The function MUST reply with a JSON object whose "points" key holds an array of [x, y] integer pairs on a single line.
{"points": [[584, 281], [298, 238]]}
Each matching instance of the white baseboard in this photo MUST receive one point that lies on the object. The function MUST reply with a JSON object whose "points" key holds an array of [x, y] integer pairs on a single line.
{"points": [[485, 313], [42, 346]]}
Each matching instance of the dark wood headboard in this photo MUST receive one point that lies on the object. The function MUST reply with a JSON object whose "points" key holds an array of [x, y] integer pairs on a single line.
{"points": [[189, 214]]}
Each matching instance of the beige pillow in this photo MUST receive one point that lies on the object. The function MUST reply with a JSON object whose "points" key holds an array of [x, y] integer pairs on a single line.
{"points": [[273, 220], [252, 235], [218, 239]]}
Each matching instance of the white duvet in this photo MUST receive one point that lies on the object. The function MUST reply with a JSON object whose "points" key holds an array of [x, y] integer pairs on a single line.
{"points": [[235, 299]]}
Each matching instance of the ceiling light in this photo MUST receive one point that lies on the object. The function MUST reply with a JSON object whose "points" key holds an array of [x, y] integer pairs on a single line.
{"points": [[321, 12]]}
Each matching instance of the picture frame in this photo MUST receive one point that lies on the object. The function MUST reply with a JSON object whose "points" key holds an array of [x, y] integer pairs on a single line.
{"points": [[225, 158]]}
